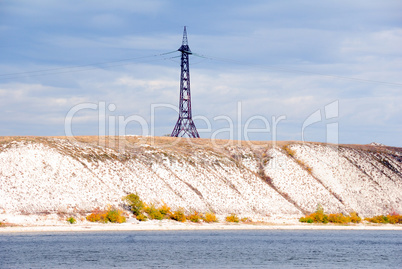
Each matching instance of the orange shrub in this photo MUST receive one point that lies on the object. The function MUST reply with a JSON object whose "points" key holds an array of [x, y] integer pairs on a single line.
{"points": [[164, 210], [396, 218], [338, 218], [210, 217], [317, 217], [178, 215], [232, 218], [320, 217], [392, 219], [354, 217], [378, 219], [97, 215], [194, 217], [116, 216], [153, 212], [141, 217], [111, 215]]}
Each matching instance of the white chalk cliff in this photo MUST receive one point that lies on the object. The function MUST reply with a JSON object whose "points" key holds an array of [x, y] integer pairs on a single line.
{"points": [[51, 175]]}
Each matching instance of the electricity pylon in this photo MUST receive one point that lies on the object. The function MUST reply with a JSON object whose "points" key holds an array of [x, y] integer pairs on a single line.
{"points": [[185, 125]]}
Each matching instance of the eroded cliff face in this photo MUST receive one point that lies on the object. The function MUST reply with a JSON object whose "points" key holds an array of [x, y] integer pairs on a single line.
{"points": [[53, 175]]}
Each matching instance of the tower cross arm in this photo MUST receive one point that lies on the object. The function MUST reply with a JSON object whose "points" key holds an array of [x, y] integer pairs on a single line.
{"points": [[184, 44]]}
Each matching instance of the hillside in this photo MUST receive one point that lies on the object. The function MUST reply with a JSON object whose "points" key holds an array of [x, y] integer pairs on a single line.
{"points": [[285, 180]]}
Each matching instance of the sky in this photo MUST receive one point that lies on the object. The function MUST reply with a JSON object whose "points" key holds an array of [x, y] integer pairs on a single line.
{"points": [[324, 71]]}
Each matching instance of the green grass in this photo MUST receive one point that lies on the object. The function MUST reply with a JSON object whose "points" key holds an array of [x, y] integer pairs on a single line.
{"points": [[71, 220]]}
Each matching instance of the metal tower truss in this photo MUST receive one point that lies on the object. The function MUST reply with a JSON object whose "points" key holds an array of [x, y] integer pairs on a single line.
{"points": [[185, 125]]}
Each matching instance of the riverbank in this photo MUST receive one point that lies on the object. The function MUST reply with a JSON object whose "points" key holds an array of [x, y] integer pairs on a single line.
{"points": [[167, 225]]}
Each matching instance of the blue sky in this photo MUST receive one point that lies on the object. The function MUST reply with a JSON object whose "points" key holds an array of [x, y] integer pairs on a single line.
{"points": [[275, 58]]}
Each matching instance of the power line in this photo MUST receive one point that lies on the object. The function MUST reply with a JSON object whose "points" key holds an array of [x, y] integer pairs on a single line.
{"points": [[296, 70], [86, 69], [108, 64], [78, 68]]}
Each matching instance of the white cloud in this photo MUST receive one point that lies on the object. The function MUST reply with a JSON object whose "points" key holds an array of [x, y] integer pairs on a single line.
{"points": [[383, 43]]}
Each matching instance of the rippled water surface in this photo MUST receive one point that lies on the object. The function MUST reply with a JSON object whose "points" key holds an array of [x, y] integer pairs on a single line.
{"points": [[203, 249]]}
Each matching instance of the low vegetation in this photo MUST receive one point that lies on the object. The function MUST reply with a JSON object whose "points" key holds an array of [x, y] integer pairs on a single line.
{"points": [[143, 212], [289, 151], [232, 218], [71, 220], [320, 217], [141, 217], [164, 210], [112, 214], [6, 224], [391, 218], [178, 215], [135, 203], [292, 154], [210, 217], [246, 220], [153, 212], [195, 217]]}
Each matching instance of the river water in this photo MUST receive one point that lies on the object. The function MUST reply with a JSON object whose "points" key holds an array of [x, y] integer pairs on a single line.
{"points": [[203, 249]]}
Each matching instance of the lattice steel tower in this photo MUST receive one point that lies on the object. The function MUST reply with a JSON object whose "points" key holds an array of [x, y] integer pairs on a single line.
{"points": [[185, 125]]}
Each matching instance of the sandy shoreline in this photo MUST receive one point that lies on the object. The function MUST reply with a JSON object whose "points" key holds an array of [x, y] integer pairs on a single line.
{"points": [[174, 226]]}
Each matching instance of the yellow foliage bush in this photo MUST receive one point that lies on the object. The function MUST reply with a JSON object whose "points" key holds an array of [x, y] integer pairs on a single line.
{"points": [[395, 219], [320, 217], [194, 217], [315, 217], [116, 216], [141, 217], [111, 215], [338, 218], [143, 211], [232, 218], [178, 215], [392, 219], [97, 215], [153, 212], [164, 210], [354, 217], [210, 217]]}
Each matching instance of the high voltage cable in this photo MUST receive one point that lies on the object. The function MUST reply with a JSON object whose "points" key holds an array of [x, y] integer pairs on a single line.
{"points": [[68, 69], [296, 71], [78, 68], [86, 69]]}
